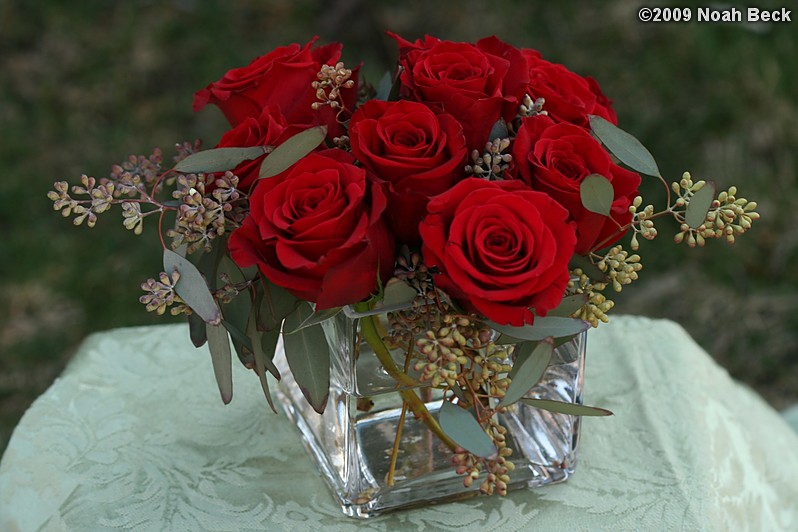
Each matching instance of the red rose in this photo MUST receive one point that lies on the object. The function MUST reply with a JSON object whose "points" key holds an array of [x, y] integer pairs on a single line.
{"points": [[282, 78], [269, 129], [419, 153], [555, 158], [502, 248], [476, 83], [569, 96], [316, 230]]}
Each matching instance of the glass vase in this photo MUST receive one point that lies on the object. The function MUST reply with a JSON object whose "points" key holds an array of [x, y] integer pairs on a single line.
{"points": [[353, 440]]}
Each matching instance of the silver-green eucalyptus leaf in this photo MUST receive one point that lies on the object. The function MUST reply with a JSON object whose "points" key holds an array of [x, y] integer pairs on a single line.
{"points": [[499, 130], [239, 338], [236, 315], [624, 146], [232, 270], [699, 205], [554, 326], [523, 348], [528, 368], [569, 305], [561, 407], [314, 319], [207, 262], [563, 340], [505, 339], [196, 330], [398, 293], [588, 268], [222, 358], [308, 358], [388, 88], [292, 150], [263, 354], [268, 346], [264, 382], [384, 87], [219, 159], [462, 427], [597, 194], [275, 304], [236, 312], [191, 287]]}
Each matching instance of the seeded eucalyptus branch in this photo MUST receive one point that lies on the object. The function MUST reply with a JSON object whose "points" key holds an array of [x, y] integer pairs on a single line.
{"points": [[206, 206], [700, 215]]}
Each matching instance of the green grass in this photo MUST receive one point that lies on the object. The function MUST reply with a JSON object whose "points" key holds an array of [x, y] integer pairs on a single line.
{"points": [[85, 84]]}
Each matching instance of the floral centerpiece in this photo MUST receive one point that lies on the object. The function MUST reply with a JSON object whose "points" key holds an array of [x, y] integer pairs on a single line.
{"points": [[456, 226]]}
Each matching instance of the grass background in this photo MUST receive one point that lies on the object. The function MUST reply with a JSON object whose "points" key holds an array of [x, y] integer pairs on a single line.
{"points": [[82, 85]]}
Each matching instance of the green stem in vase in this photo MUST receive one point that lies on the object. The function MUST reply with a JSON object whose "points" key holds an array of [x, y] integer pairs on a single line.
{"points": [[368, 327], [395, 450]]}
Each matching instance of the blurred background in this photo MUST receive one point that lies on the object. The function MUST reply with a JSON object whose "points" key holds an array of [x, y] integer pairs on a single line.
{"points": [[85, 84]]}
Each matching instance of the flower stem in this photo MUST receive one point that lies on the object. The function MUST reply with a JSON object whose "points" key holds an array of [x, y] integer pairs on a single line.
{"points": [[369, 329], [395, 451]]}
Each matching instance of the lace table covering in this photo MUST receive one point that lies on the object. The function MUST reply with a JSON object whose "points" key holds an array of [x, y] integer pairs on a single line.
{"points": [[134, 436]]}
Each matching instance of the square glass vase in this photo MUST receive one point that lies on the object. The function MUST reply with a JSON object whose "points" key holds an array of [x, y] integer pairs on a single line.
{"points": [[352, 441]]}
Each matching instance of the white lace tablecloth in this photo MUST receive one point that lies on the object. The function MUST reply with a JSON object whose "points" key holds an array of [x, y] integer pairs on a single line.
{"points": [[133, 436]]}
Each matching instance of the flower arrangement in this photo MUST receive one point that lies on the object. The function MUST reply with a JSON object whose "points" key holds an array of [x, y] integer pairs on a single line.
{"points": [[477, 195]]}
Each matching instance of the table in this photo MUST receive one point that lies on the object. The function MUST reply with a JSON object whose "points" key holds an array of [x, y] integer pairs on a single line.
{"points": [[133, 436]]}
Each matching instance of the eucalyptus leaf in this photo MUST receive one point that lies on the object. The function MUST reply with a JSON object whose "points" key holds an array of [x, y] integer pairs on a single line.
{"points": [[196, 330], [275, 305], [506, 339], [235, 315], [462, 427], [384, 88], [591, 270], [308, 358], [597, 194], [624, 146], [236, 273], [523, 349], [208, 262], [263, 356], [237, 336], [268, 346], [316, 318], [564, 340], [244, 354], [459, 393], [260, 368], [264, 382], [699, 205], [250, 273], [561, 407], [236, 312], [554, 326], [397, 85], [527, 370], [499, 130], [398, 293], [289, 152], [388, 89], [191, 287], [569, 305], [222, 358], [219, 159]]}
